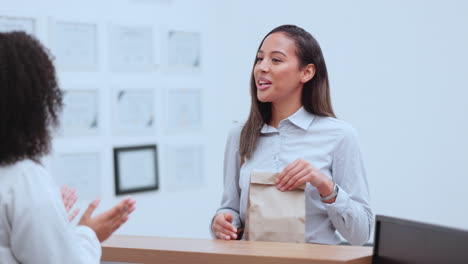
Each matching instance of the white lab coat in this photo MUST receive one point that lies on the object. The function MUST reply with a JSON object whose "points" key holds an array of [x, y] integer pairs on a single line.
{"points": [[33, 223]]}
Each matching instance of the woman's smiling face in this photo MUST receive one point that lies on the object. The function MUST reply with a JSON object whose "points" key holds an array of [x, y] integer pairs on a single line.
{"points": [[277, 70]]}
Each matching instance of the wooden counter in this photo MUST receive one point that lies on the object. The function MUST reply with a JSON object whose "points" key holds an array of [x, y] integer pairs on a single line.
{"points": [[161, 250]]}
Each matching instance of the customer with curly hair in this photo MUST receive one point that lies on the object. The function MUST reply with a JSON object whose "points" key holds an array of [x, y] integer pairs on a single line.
{"points": [[34, 226]]}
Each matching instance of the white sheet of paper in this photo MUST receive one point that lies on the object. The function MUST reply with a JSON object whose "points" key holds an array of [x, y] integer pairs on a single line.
{"points": [[134, 111], [81, 171], [184, 50], [184, 109], [132, 48], [80, 112], [75, 45], [136, 169], [185, 167], [8, 24]]}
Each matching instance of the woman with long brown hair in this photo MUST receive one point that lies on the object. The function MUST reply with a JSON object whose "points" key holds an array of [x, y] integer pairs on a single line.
{"points": [[292, 129]]}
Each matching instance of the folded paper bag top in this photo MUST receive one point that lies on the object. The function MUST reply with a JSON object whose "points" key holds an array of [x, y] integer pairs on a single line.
{"points": [[273, 215]]}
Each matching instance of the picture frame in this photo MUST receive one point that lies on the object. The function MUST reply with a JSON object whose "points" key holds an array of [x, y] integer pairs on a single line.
{"points": [[184, 109], [80, 169], [133, 48], [136, 169], [26, 24], [133, 111], [184, 50], [74, 44], [184, 163], [80, 115]]}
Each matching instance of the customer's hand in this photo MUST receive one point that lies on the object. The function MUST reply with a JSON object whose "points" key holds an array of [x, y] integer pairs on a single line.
{"points": [[222, 227], [104, 224], [69, 198]]}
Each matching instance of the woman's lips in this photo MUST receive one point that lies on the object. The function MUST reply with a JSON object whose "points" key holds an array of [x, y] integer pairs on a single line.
{"points": [[263, 83]]}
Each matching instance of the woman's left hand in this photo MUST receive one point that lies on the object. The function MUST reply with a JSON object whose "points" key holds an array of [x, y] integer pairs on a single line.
{"points": [[300, 172], [106, 223]]}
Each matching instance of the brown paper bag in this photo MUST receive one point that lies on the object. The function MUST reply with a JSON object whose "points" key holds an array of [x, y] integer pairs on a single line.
{"points": [[273, 215]]}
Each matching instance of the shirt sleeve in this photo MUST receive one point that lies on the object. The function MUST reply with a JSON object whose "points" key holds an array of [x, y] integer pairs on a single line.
{"points": [[230, 201], [41, 232], [350, 213]]}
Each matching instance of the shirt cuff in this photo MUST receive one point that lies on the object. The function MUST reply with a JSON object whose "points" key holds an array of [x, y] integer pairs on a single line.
{"points": [[340, 206]]}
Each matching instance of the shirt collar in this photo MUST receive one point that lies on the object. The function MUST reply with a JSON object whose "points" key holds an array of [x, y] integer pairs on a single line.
{"points": [[301, 119]]}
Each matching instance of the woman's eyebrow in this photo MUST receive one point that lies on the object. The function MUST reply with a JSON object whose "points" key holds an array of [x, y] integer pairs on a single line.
{"points": [[275, 51], [280, 52]]}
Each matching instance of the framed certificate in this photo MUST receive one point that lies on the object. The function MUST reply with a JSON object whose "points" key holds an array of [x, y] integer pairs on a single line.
{"points": [[80, 115], [133, 112], [132, 48], [8, 24], [184, 109], [184, 50], [81, 170], [75, 45], [136, 169], [186, 167]]}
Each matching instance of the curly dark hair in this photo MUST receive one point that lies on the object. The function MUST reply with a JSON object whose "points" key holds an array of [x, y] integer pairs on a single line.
{"points": [[30, 99]]}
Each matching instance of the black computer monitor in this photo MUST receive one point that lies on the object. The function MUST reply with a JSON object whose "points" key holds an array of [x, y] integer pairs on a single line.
{"points": [[399, 241]]}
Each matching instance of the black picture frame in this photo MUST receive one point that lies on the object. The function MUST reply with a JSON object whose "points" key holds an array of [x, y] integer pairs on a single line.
{"points": [[122, 157]]}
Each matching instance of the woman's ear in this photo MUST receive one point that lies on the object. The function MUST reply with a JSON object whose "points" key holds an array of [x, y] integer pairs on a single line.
{"points": [[308, 73]]}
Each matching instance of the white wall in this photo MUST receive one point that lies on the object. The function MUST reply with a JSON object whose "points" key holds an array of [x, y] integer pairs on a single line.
{"points": [[397, 72]]}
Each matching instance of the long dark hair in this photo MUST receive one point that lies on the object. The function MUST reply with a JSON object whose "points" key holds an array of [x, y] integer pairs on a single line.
{"points": [[30, 100], [315, 94]]}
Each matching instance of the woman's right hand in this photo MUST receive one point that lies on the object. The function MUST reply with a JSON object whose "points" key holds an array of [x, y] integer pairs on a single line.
{"points": [[69, 198], [222, 227], [104, 224]]}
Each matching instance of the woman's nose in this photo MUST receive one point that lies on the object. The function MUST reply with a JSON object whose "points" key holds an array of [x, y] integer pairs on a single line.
{"points": [[264, 66]]}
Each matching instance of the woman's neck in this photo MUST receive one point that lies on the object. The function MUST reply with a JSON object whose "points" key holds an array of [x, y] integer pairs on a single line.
{"points": [[282, 111]]}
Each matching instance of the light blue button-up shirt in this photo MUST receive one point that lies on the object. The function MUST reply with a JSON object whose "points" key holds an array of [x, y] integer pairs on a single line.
{"points": [[328, 144]]}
